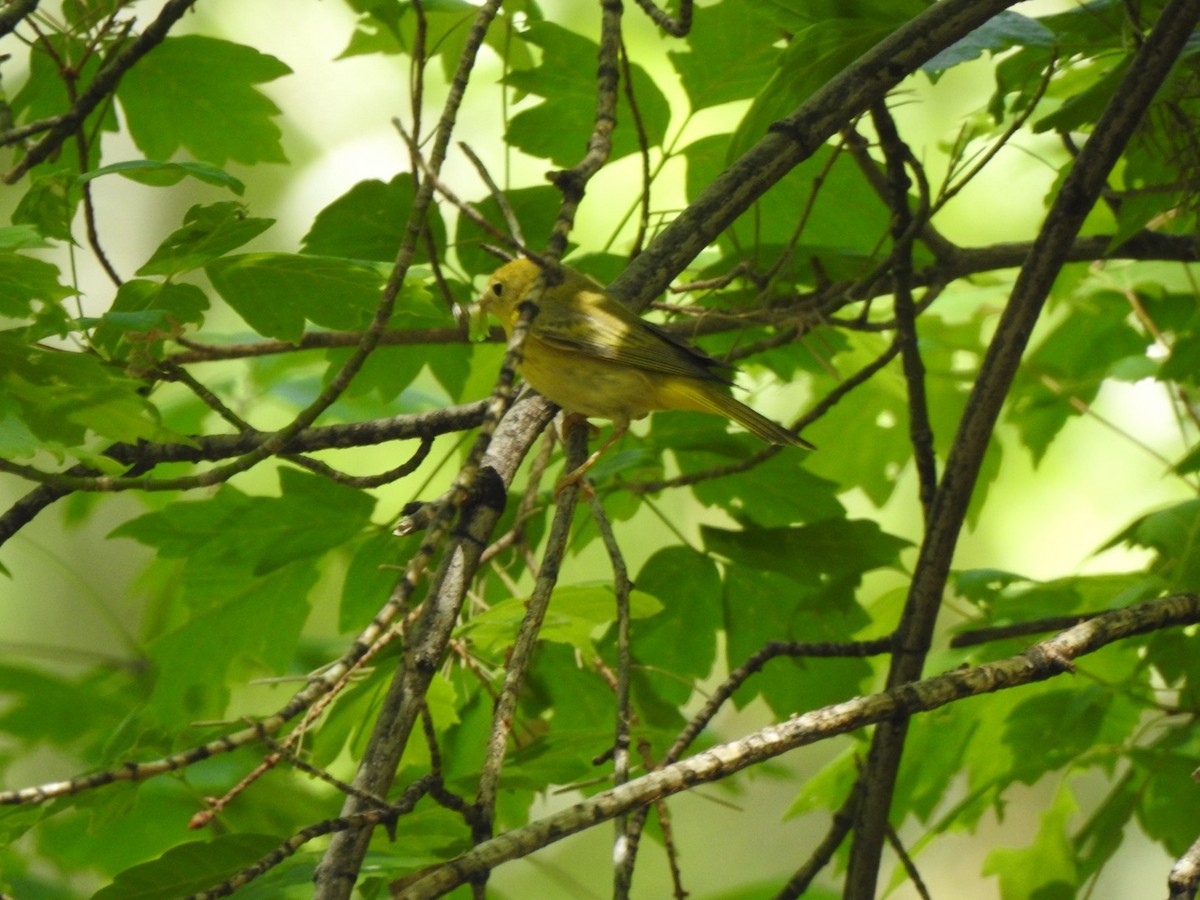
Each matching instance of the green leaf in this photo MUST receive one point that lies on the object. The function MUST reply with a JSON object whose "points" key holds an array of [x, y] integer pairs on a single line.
{"points": [[1174, 534], [48, 92], [25, 281], [391, 28], [814, 55], [682, 639], [1150, 177], [243, 620], [1070, 364], [810, 554], [189, 868], [16, 821], [778, 493], [576, 613], [1088, 88], [877, 423], [1002, 32], [277, 292], [165, 174], [1167, 770], [1045, 870], [137, 823], [843, 228], [1096, 24], [828, 789], [49, 205], [1049, 730], [1190, 462], [149, 311], [1019, 75], [45, 708], [535, 208], [208, 233], [1169, 652], [367, 222], [790, 16], [559, 129], [256, 534], [196, 93], [21, 237], [387, 373], [371, 575], [1183, 365], [765, 606], [560, 756], [1005, 598], [17, 440], [731, 55], [451, 365], [937, 742], [372, 36], [576, 696], [61, 396], [984, 585], [1100, 837]]}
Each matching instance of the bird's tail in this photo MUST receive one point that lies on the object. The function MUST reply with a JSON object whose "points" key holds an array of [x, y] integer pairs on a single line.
{"points": [[707, 398]]}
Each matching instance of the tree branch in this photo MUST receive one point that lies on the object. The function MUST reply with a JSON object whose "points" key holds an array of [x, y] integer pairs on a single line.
{"points": [[794, 139], [17, 10], [905, 227], [141, 457], [1040, 662], [1075, 199]]}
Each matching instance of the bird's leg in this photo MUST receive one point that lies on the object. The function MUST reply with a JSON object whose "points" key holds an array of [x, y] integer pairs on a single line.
{"points": [[579, 472]]}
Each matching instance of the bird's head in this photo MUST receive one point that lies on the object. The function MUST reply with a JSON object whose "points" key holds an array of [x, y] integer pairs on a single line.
{"points": [[507, 286]]}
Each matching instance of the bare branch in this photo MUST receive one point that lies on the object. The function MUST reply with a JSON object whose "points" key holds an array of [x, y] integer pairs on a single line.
{"points": [[1040, 662]]}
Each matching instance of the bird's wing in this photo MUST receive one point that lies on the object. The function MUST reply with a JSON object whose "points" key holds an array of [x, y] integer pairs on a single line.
{"points": [[594, 324]]}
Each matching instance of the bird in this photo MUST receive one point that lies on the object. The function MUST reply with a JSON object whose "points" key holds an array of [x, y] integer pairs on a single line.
{"points": [[595, 358]]}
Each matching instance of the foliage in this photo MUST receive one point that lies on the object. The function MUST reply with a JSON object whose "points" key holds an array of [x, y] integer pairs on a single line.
{"points": [[161, 340]]}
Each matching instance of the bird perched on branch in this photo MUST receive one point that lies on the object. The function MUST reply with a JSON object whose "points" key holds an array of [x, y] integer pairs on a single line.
{"points": [[596, 358]]}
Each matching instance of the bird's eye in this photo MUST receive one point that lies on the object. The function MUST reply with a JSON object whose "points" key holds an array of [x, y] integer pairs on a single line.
{"points": [[497, 288]]}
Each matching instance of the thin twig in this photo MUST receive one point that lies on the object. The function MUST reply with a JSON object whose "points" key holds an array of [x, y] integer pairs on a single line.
{"points": [[676, 27], [395, 473], [572, 182], [368, 819], [910, 867], [102, 86], [977, 636], [643, 142], [521, 653], [739, 676], [821, 855], [795, 138], [316, 340], [898, 158], [622, 860], [949, 189], [497, 195]]}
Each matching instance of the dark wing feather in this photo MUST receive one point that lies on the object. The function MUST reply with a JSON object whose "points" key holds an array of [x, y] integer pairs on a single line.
{"points": [[594, 324]]}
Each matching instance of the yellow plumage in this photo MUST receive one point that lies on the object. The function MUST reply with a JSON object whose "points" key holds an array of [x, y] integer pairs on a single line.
{"points": [[593, 356]]}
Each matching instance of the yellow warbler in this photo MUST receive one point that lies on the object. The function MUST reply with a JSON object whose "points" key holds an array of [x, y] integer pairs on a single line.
{"points": [[593, 356]]}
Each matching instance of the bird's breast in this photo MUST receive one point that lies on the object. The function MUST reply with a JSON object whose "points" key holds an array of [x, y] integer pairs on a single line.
{"points": [[583, 384]]}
